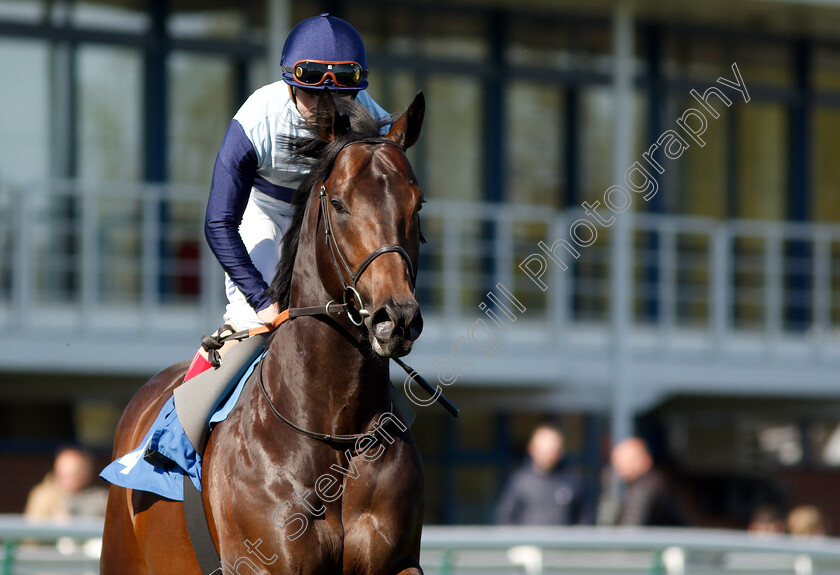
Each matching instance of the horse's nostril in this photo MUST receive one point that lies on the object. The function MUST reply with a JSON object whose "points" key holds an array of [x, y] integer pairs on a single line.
{"points": [[401, 320], [382, 323]]}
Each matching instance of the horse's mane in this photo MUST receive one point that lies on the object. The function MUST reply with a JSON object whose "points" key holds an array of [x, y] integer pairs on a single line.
{"points": [[357, 124]]}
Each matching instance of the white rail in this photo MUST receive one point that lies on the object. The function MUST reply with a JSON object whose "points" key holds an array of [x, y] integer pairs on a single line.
{"points": [[83, 245], [530, 550]]}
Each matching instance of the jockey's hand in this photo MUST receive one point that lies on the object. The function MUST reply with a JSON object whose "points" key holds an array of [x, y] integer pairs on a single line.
{"points": [[268, 314]]}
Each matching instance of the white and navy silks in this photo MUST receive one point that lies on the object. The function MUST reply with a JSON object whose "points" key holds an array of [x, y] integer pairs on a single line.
{"points": [[249, 207]]}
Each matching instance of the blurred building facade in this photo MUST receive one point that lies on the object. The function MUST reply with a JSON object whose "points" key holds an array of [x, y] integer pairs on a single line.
{"points": [[706, 321]]}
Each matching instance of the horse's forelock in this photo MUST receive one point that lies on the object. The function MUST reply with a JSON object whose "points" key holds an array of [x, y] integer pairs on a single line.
{"points": [[319, 156]]}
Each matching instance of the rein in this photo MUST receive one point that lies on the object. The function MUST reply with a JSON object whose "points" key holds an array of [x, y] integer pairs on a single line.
{"points": [[323, 437], [213, 343]]}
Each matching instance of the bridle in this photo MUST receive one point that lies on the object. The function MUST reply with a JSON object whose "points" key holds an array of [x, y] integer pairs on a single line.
{"points": [[349, 291]]}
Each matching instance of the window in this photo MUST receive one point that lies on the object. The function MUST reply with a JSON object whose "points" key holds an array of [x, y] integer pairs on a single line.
{"points": [[110, 114], [695, 57], [539, 42], [106, 17], [534, 134], [453, 138], [764, 63], [697, 180], [597, 136], [25, 142], [826, 169], [22, 10], [763, 138], [826, 69], [431, 32], [201, 105], [110, 150], [452, 148], [227, 23]]}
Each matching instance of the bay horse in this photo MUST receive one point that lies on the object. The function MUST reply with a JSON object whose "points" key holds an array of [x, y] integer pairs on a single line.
{"points": [[277, 500]]}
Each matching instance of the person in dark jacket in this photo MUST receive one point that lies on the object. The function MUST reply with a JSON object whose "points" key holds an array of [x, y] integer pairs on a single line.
{"points": [[647, 499], [543, 491]]}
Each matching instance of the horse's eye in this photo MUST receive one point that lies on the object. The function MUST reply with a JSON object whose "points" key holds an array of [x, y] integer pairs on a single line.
{"points": [[337, 205]]}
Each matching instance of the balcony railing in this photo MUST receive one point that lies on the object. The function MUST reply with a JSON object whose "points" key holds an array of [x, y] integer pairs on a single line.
{"points": [[124, 258]]}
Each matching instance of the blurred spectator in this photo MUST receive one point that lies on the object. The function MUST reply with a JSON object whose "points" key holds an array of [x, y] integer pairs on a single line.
{"points": [[67, 490], [647, 499], [543, 491], [767, 519], [806, 520]]}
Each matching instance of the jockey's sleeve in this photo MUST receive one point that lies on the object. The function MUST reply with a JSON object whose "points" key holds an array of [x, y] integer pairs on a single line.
{"points": [[233, 175]]}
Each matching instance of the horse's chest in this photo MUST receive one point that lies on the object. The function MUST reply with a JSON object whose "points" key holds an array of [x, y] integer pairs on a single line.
{"points": [[367, 543], [358, 519], [335, 514]]}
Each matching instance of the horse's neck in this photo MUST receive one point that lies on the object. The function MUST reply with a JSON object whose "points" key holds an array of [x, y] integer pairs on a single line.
{"points": [[325, 366], [320, 367]]}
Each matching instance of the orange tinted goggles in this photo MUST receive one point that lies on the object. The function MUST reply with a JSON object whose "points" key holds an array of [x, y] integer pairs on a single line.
{"points": [[315, 73]]}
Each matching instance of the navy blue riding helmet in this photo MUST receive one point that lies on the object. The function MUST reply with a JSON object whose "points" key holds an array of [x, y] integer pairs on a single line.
{"points": [[325, 52]]}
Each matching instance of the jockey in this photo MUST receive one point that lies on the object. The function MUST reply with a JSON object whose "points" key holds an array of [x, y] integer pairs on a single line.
{"points": [[249, 208]]}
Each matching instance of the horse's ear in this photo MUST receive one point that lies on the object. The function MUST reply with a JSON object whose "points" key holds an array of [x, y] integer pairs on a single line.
{"points": [[406, 129], [331, 123]]}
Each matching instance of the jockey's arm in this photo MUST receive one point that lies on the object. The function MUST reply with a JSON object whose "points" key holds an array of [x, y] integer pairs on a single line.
{"points": [[233, 176]]}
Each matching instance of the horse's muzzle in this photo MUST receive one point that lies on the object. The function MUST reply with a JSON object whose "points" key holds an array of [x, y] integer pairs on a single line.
{"points": [[394, 327]]}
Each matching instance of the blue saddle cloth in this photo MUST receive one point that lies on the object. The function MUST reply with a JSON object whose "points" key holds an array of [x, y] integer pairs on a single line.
{"points": [[167, 437]]}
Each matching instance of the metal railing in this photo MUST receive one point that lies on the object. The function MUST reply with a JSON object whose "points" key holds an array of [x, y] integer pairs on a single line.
{"points": [[123, 257], [49, 547], [78, 249], [611, 551], [720, 276], [525, 550]]}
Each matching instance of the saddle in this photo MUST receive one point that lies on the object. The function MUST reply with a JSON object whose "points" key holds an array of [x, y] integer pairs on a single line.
{"points": [[197, 398]]}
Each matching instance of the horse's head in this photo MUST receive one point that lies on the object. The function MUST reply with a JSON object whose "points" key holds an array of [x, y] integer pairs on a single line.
{"points": [[368, 206]]}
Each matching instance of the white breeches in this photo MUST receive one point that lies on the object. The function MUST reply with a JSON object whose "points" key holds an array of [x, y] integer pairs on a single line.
{"points": [[263, 226]]}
